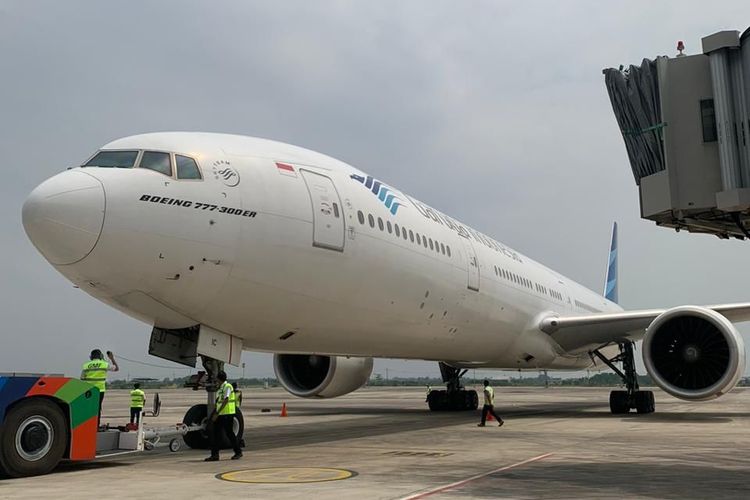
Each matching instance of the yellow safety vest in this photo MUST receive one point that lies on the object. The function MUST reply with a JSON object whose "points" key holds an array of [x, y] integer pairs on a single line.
{"points": [[137, 398], [489, 396], [230, 407], [95, 373]]}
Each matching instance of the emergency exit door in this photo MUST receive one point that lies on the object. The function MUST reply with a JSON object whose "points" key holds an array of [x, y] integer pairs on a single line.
{"points": [[328, 217], [472, 265]]}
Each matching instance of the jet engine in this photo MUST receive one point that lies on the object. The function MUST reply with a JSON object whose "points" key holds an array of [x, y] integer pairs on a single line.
{"points": [[312, 375], [693, 353]]}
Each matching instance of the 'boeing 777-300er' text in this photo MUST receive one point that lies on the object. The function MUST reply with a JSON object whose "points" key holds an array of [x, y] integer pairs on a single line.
{"points": [[223, 243]]}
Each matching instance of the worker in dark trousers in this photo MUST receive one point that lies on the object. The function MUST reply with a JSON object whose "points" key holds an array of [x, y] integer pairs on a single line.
{"points": [[489, 405], [137, 402], [221, 420], [95, 371]]}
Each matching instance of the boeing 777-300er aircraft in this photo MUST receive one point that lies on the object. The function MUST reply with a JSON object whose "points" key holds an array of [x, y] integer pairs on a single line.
{"points": [[223, 243]]}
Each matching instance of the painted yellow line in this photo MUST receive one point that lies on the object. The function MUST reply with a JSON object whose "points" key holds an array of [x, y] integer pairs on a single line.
{"points": [[286, 475], [457, 484]]}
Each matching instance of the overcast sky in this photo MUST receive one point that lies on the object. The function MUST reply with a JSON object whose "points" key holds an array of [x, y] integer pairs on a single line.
{"points": [[493, 112]]}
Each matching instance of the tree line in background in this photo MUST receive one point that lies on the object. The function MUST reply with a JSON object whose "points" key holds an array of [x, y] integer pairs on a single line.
{"points": [[597, 380]]}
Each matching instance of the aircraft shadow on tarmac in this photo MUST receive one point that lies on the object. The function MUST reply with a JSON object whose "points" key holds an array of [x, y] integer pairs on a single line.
{"points": [[674, 480], [373, 421]]}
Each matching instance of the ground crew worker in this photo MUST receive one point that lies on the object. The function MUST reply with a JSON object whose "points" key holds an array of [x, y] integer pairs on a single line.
{"points": [[137, 402], [221, 420], [95, 372], [237, 396], [489, 405]]}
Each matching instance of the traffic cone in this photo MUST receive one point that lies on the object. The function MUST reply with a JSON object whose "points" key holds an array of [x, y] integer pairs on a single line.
{"points": [[283, 410]]}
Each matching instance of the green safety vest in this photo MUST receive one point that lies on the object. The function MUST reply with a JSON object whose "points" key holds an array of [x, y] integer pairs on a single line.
{"points": [[491, 393], [230, 407], [95, 373], [137, 398]]}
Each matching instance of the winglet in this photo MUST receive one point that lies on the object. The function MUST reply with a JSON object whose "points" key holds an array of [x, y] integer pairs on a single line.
{"points": [[610, 286]]}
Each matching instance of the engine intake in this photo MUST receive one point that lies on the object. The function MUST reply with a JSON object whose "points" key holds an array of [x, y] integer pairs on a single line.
{"points": [[693, 353], [312, 375]]}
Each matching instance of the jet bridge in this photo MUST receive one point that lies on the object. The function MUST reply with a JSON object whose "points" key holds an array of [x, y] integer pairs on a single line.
{"points": [[685, 121]]}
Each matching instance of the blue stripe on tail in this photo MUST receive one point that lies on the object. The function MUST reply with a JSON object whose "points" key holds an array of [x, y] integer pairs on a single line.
{"points": [[610, 287]]}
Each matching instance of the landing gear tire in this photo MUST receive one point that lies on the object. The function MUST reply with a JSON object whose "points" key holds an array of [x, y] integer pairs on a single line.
{"points": [[33, 438], [644, 402], [200, 440], [197, 440], [442, 400], [619, 402]]}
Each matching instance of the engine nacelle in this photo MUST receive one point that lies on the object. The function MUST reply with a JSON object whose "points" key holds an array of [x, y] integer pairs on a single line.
{"points": [[314, 376], [693, 353]]}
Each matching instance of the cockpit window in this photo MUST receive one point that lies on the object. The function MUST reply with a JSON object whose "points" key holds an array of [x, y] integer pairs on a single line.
{"points": [[186, 168], [157, 161], [113, 159]]}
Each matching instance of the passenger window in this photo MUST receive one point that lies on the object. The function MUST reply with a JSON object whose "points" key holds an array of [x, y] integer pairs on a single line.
{"points": [[159, 162], [113, 159], [361, 217], [448, 250], [403, 233], [336, 210], [187, 168], [442, 249], [419, 240], [388, 226], [431, 247], [398, 231], [411, 236], [380, 223], [371, 220]]}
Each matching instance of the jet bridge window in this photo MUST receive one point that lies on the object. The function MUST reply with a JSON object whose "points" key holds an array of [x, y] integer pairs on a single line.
{"points": [[187, 168], [113, 159], [154, 160]]}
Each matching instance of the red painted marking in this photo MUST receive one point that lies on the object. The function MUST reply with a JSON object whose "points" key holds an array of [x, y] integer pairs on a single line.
{"points": [[284, 166], [83, 440], [474, 478], [47, 386]]}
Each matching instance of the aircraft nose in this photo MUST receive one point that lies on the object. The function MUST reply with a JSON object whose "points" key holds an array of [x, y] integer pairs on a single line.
{"points": [[63, 216]]}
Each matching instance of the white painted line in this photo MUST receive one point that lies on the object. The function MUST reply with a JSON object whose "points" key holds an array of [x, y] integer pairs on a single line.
{"points": [[447, 487]]}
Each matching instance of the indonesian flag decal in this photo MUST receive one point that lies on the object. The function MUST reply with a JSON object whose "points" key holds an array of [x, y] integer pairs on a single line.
{"points": [[286, 169]]}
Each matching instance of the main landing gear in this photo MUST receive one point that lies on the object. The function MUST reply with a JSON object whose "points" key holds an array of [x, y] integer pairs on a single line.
{"points": [[456, 397], [198, 414], [632, 398]]}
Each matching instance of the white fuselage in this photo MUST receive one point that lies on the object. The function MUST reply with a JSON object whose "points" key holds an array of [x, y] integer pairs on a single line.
{"points": [[279, 256]]}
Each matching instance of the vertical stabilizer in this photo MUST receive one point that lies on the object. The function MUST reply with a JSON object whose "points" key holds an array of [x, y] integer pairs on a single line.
{"points": [[610, 285]]}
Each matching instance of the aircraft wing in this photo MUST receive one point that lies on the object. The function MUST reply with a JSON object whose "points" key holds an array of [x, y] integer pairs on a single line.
{"points": [[585, 332]]}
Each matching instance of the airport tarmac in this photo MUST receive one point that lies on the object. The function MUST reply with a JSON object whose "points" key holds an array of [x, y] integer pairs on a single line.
{"points": [[383, 443]]}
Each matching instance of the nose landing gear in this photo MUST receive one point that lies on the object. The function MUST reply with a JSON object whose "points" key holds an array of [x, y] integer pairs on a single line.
{"points": [[198, 414], [455, 397]]}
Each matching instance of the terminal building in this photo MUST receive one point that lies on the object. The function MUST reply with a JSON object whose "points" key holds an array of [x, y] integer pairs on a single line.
{"points": [[685, 121]]}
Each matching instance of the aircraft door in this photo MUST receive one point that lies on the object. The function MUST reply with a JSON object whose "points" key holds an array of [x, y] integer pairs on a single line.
{"points": [[472, 265], [328, 216]]}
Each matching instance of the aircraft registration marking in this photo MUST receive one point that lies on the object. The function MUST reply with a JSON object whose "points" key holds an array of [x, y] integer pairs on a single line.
{"points": [[163, 200]]}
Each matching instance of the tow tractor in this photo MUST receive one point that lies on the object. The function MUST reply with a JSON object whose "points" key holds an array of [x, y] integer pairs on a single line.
{"points": [[45, 419]]}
